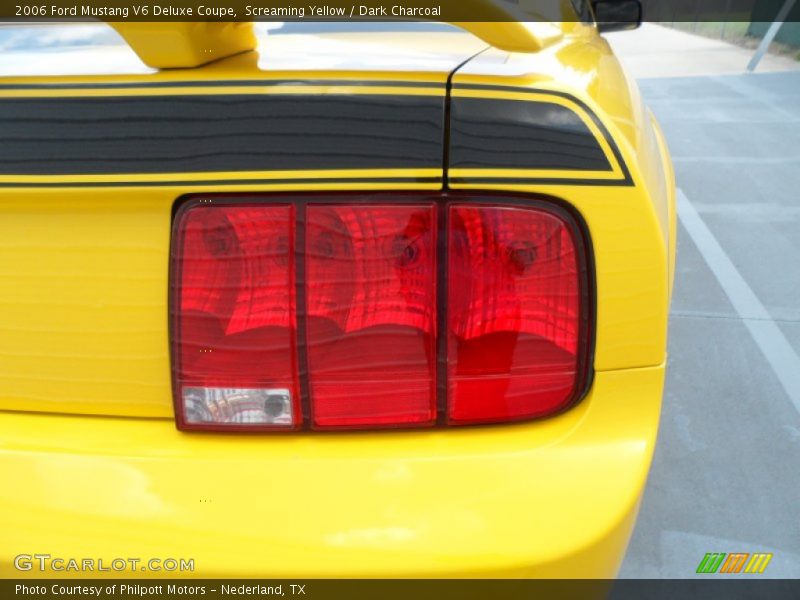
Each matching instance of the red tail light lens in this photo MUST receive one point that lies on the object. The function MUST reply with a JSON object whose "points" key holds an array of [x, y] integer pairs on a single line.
{"points": [[514, 302], [342, 329], [234, 317], [371, 288]]}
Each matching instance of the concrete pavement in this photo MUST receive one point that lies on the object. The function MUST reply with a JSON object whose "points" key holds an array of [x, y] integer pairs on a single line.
{"points": [[726, 473], [656, 51]]}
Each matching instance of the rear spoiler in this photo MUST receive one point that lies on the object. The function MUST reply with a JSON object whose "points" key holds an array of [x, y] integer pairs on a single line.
{"points": [[165, 45]]}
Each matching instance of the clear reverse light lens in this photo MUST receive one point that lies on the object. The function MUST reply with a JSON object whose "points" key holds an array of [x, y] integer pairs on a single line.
{"points": [[237, 405]]}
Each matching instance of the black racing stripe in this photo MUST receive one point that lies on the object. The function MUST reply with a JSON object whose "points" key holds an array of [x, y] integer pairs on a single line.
{"points": [[218, 83], [183, 134], [566, 136], [509, 134], [201, 183]]}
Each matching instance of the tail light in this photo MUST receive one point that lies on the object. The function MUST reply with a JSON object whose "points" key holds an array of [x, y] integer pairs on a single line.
{"points": [[234, 316], [370, 334], [382, 311], [514, 303]]}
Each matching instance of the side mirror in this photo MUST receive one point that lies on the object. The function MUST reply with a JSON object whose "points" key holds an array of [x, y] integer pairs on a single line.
{"points": [[617, 15]]}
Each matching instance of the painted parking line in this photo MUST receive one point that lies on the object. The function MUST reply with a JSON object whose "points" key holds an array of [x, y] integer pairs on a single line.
{"points": [[766, 333]]}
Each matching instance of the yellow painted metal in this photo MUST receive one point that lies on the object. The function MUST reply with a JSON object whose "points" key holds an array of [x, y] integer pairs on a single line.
{"points": [[515, 36], [355, 175], [221, 91], [185, 45], [188, 45], [245, 66], [83, 330], [556, 498], [665, 197]]}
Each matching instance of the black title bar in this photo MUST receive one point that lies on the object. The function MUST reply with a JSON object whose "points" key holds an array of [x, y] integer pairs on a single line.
{"points": [[709, 588], [382, 10]]}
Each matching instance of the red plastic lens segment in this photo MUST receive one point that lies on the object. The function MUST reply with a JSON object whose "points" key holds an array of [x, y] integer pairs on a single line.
{"points": [[514, 313], [371, 326], [233, 303], [511, 339]]}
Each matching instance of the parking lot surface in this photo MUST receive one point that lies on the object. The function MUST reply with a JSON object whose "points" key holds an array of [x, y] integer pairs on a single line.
{"points": [[726, 473]]}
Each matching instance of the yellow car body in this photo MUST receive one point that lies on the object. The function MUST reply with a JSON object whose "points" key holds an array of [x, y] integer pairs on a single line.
{"points": [[91, 462]]}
